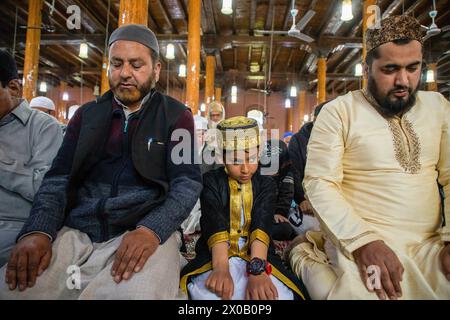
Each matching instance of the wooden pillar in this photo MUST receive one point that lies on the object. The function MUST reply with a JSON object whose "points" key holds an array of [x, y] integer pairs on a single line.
{"points": [[218, 94], [209, 83], [432, 86], [32, 47], [322, 79], [301, 104], [61, 104], [133, 11], [366, 16], [105, 80], [289, 119], [193, 65]]}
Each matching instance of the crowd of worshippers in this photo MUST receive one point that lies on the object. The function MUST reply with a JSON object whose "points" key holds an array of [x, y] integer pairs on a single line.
{"points": [[360, 194]]}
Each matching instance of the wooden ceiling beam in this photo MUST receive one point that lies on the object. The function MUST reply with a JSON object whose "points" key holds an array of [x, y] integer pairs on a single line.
{"points": [[208, 21], [392, 7], [269, 15], [291, 55], [208, 40], [171, 29], [252, 15]]}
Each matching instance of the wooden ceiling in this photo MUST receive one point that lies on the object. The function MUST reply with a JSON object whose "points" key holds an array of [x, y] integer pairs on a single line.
{"points": [[232, 39]]}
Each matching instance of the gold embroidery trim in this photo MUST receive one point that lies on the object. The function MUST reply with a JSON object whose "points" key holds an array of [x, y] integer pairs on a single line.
{"points": [[407, 156], [218, 237], [237, 198], [409, 160], [184, 279], [261, 236]]}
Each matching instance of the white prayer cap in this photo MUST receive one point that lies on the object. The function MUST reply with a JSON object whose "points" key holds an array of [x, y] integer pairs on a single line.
{"points": [[201, 123], [42, 102], [72, 110]]}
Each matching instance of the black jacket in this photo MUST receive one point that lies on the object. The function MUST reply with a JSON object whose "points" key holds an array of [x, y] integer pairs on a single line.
{"points": [[297, 153]]}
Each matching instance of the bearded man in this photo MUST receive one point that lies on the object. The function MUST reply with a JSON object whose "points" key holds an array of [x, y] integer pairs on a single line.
{"points": [[375, 158], [103, 223]]}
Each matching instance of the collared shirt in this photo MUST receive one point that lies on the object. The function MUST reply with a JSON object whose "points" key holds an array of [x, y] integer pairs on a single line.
{"points": [[126, 109], [29, 140]]}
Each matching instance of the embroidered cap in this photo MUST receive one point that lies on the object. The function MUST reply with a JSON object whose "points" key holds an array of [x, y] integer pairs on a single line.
{"points": [[394, 28], [238, 133], [215, 106]]}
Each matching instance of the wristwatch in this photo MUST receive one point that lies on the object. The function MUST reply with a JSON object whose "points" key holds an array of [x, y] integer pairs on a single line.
{"points": [[256, 266]]}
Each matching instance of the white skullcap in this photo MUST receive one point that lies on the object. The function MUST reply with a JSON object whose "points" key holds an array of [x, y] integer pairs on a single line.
{"points": [[201, 123], [72, 110], [42, 102]]}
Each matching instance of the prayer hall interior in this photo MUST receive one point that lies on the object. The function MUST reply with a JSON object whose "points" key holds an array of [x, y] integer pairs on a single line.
{"points": [[274, 58]]}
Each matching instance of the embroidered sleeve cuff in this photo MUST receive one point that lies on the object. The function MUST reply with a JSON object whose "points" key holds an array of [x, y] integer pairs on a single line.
{"points": [[350, 245], [261, 236], [222, 236]]}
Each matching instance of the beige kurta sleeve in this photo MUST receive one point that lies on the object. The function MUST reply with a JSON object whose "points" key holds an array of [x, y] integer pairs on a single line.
{"points": [[323, 181], [444, 168]]}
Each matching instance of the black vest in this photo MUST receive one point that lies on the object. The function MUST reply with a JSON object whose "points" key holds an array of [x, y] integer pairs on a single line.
{"points": [[150, 141]]}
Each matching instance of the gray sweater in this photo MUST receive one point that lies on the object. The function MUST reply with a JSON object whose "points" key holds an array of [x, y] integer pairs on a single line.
{"points": [[29, 140]]}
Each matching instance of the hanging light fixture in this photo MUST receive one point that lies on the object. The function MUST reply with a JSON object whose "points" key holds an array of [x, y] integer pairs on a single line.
{"points": [[234, 94], [83, 50], [293, 92], [347, 13], [203, 107], [287, 103], [43, 86], [234, 90], [306, 118], [65, 96], [182, 71], [96, 90], [170, 52], [430, 76], [358, 70], [227, 7]]}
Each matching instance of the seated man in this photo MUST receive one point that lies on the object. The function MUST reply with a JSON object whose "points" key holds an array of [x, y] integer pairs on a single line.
{"points": [[234, 257], [276, 154], [108, 209], [210, 158], [373, 160], [43, 104], [29, 140], [192, 223], [303, 219]]}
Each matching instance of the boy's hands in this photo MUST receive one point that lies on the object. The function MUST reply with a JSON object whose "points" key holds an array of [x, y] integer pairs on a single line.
{"points": [[260, 287], [220, 282]]}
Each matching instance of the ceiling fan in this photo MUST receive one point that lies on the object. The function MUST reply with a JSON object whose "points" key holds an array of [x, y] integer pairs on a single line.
{"points": [[267, 90], [295, 30], [433, 29]]}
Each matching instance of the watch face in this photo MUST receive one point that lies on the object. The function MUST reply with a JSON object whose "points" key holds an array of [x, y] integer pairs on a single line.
{"points": [[256, 266]]}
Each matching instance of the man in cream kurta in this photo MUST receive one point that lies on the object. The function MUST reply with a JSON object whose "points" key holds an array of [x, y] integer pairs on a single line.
{"points": [[373, 176]]}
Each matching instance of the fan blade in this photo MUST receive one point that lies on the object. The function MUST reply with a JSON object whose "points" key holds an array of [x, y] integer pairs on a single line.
{"points": [[446, 28], [270, 32], [305, 19], [304, 37]]}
